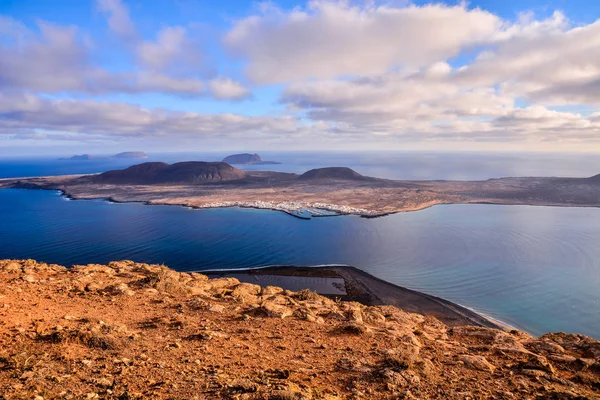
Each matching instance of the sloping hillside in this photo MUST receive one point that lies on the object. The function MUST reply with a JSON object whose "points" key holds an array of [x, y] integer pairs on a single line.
{"points": [[136, 331], [339, 173], [191, 172]]}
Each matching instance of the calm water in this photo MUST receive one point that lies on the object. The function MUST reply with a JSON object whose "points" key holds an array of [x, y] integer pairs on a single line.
{"points": [[537, 268]]}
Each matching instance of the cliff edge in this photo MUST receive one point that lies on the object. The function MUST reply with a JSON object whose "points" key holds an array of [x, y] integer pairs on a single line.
{"points": [[130, 331]]}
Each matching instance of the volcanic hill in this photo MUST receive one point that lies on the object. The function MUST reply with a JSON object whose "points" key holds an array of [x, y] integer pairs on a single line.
{"points": [[343, 173], [189, 172]]}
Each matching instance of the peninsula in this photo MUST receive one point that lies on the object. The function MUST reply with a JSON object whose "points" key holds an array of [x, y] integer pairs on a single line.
{"points": [[318, 192], [129, 330]]}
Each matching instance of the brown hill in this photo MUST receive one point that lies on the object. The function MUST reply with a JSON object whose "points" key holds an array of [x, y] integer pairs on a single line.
{"points": [[135, 331], [338, 173], [190, 172]]}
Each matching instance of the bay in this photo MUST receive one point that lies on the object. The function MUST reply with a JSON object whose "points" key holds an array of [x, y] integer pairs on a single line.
{"points": [[535, 268]]}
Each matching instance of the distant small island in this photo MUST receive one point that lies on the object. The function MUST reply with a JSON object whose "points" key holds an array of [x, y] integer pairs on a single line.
{"points": [[125, 154], [247, 158], [131, 154], [79, 157]]}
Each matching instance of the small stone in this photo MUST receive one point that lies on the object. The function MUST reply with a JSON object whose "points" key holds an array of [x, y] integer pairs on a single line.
{"points": [[216, 308], [275, 310], [477, 362], [26, 375], [104, 382]]}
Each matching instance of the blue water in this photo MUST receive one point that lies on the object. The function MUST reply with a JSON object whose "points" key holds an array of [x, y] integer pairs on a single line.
{"points": [[536, 268]]}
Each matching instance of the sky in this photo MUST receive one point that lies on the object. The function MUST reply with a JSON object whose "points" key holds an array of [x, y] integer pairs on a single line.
{"points": [[198, 75]]}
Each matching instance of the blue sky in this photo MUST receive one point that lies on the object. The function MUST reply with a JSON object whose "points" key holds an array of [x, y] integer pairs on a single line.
{"points": [[483, 75]]}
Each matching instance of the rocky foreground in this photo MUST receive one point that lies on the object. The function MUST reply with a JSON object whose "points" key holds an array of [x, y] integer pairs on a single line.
{"points": [[128, 330]]}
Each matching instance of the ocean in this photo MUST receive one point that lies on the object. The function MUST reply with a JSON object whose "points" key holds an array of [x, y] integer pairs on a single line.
{"points": [[535, 268]]}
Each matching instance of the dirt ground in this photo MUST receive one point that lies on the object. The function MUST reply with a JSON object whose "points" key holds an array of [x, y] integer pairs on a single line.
{"points": [[128, 331]]}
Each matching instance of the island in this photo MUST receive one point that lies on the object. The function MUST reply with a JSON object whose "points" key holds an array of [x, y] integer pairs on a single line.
{"points": [[126, 154], [131, 154], [316, 193], [79, 157], [247, 158], [129, 330]]}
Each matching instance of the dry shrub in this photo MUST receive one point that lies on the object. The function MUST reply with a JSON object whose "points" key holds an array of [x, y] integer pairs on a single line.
{"points": [[401, 358], [164, 280], [353, 328], [96, 337]]}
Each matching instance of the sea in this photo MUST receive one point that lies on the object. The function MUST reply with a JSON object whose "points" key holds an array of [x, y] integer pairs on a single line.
{"points": [[534, 268]]}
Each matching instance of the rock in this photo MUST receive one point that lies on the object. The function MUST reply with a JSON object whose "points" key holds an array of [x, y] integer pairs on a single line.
{"points": [[401, 358], [537, 362], [91, 269], [104, 382], [312, 318], [216, 308], [223, 283], [12, 268], [354, 313], [195, 291], [545, 346], [336, 315], [393, 379], [275, 310], [199, 277], [271, 290], [244, 386], [246, 292], [374, 316], [353, 328], [119, 289], [93, 287], [29, 278], [477, 362], [562, 358]]}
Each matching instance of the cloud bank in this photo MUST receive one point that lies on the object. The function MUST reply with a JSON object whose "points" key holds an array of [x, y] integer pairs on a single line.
{"points": [[355, 74]]}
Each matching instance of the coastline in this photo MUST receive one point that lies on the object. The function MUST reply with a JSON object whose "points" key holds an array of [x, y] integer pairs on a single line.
{"points": [[338, 210], [366, 289], [322, 195]]}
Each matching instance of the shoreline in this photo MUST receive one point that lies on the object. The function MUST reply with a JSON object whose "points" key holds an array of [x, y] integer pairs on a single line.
{"points": [[366, 289], [292, 213], [322, 195]]}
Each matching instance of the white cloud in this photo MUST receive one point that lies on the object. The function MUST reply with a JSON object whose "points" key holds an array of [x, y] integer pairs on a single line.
{"points": [[332, 39], [555, 64], [350, 72], [228, 89], [56, 59], [118, 18], [26, 113], [172, 51]]}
